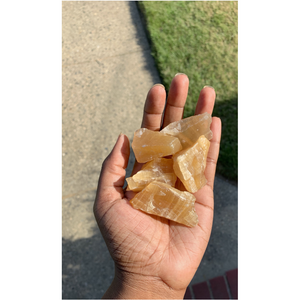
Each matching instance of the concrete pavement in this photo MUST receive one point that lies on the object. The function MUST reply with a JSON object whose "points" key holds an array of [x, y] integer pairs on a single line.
{"points": [[107, 70]]}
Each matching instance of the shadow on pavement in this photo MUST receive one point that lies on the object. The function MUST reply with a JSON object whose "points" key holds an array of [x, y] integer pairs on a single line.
{"points": [[86, 267]]}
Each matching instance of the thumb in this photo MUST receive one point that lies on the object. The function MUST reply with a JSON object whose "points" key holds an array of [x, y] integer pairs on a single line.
{"points": [[112, 176]]}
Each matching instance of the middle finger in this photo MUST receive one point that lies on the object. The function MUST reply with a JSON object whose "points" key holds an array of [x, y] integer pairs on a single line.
{"points": [[176, 99]]}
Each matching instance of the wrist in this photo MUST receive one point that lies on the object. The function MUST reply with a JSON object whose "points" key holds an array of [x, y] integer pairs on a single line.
{"points": [[134, 286]]}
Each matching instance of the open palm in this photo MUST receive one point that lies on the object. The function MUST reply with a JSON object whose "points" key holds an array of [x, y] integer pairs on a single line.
{"points": [[145, 246]]}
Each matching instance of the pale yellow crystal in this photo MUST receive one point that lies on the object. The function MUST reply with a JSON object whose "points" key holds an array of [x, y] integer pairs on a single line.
{"points": [[148, 145], [142, 178], [162, 200], [161, 164], [188, 130], [189, 165], [159, 169]]}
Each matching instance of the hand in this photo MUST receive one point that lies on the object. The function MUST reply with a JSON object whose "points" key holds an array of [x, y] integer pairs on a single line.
{"points": [[155, 257]]}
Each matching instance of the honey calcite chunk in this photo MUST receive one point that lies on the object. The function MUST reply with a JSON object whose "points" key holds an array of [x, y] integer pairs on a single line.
{"points": [[148, 145], [188, 130], [160, 164], [189, 165], [162, 200], [160, 169]]}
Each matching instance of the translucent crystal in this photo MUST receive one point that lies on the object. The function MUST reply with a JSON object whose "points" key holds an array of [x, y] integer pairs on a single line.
{"points": [[142, 178], [188, 130], [189, 165], [159, 169], [148, 144], [164, 165], [162, 200]]}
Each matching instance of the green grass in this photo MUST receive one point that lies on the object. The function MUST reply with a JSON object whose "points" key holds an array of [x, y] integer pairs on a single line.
{"points": [[200, 39]]}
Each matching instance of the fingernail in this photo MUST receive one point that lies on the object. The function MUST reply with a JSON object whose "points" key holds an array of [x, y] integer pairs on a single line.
{"points": [[180, 74], [208, 86], [159, 84]]}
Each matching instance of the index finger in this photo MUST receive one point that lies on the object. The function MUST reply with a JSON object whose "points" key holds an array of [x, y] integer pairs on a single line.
{"points": [[176, 99]]}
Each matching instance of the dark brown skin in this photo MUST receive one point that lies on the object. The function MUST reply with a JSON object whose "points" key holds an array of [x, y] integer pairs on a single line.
{"points": [[155, 257]]}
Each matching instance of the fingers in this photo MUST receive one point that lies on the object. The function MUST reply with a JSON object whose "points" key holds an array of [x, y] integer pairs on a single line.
{"points": [[213, 152], [113, 172], [206, 101], [154, 107], [176, 99]]}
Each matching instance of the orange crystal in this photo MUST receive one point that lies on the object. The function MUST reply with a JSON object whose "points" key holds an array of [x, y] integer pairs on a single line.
{"points": [[148, 144], [162, 200], [160, 169], [189, 165], [188, 130]]}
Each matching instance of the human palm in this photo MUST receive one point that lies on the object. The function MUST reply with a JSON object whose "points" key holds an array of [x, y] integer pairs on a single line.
{"points": [[147, 246]]}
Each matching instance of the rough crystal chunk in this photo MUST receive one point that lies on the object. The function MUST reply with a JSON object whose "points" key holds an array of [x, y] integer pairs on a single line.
{"points": [[189, 165], [160, 164], [142, 178], [165, 201], [188, 130], [148, 144], [159, 169]]}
